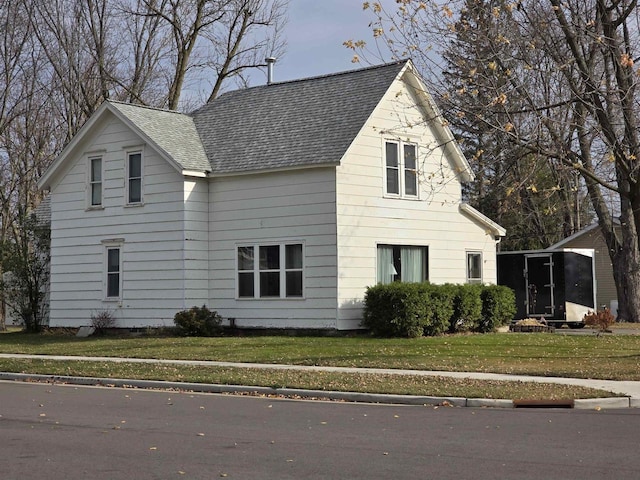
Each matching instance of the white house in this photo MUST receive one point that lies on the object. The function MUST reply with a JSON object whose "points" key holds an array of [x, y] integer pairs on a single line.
{"points": [[275, 205]]}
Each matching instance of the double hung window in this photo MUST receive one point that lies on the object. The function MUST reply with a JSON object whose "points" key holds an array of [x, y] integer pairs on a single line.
{"points": [[113, 271], [401, 169], [134, 178], [474, 267], [95, 182], [270, 271]]}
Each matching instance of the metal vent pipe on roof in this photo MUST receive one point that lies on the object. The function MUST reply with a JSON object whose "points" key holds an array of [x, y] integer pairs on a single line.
{"points": [[270, 61]]}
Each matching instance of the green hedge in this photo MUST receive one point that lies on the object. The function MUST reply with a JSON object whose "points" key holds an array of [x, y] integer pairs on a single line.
{"points": [[467, 306], [416, 309], [439, 306], [396, 309], [498, 307]]}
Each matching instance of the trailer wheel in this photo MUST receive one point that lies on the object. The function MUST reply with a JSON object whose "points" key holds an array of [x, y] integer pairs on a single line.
{"points": [[576, 325]]}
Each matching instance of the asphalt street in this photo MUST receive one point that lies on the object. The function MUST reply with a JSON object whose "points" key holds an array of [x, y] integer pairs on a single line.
{"points": [[69, 432]]}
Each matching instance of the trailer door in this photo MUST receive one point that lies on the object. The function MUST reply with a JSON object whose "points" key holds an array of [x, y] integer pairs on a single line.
{"points": [[539, 285]]}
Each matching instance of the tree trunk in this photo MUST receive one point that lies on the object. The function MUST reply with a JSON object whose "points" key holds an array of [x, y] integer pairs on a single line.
{"points": [[627, 278]]}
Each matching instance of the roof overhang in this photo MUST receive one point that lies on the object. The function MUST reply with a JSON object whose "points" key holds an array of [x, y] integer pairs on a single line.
{"points": [[570, 238], [492, 227], [448, 141], [273, 170]]}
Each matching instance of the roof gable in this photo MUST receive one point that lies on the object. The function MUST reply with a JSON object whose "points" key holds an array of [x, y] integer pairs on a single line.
{"points": [[439, 125], [172, 134], [301, 123]]}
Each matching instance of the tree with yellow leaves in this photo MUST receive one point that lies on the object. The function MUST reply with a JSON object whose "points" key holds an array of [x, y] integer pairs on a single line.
{"points": [[556, 80]]}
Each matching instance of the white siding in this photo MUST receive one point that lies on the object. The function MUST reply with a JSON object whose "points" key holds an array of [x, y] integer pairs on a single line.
{"points": [[196, 242], [367, 218], [152, 234], [295, 206]]}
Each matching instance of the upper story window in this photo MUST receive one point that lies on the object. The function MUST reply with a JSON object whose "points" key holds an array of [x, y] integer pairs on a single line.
{"points": [[270, 271], [95, 182], [134, 178], [401, 169], [474, 267]]}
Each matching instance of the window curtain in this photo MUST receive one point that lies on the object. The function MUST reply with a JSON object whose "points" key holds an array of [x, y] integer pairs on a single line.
{"points": [[386, 271], [412, 261]]}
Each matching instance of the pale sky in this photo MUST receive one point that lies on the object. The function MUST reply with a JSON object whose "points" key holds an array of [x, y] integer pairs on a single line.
{"points": [[315, 32]]}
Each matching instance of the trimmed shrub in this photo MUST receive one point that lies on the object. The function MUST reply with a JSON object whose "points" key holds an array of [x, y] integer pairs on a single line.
{"points": [[498, 307], [198, 322], [414, 309], [439, 308], [395, 310], [467, 308]]}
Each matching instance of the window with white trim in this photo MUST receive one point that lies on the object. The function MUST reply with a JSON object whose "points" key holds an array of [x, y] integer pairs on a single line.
{"points": [[474, 267], [95, 182], [270, 271], [134, 178], [402, 263], [113, 271], [401, 169]]}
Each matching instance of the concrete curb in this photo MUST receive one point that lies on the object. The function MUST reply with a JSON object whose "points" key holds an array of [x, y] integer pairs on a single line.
{"points": [[599, 403], [595, 403]]}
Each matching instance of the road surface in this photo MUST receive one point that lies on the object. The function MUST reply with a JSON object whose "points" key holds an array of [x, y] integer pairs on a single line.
{"points": [[66, 432]]}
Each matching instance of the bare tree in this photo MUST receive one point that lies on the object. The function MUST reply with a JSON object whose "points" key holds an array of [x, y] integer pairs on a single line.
{"points": [[27, 128], [142, 46], [536, 198], [226, 36], [252, 32], [62, 28]]}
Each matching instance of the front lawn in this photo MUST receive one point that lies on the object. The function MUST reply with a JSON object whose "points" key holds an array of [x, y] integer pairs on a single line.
{"points": [[615, 357]]}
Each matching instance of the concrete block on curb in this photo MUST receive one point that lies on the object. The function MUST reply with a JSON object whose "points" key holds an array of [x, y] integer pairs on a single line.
{"points": [[604, 403], [84, 332], [489, 402], [634, 402]]}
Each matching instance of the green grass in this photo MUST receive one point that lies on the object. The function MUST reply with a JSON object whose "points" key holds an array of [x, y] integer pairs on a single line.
{"points": [[615, 357], [348, 382], [588, 356]]}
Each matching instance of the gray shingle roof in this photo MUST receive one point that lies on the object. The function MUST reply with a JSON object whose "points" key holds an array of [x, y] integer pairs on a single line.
{"points": [[43, 212], [291, 124], [173, 132]]}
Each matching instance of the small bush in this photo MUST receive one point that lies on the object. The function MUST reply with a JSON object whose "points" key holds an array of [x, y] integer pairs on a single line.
{"points": [[198, 322], [102, 320], [602, 319], [498, 307], [467, 305]]}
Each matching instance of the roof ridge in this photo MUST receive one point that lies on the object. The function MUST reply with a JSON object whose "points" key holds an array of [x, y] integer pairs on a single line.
{"points": [[147, 107], [335, 74], [306, 79]]}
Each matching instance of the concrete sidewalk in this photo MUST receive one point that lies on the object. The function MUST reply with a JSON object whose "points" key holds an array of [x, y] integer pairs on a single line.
{"points": [[630, 389]]}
